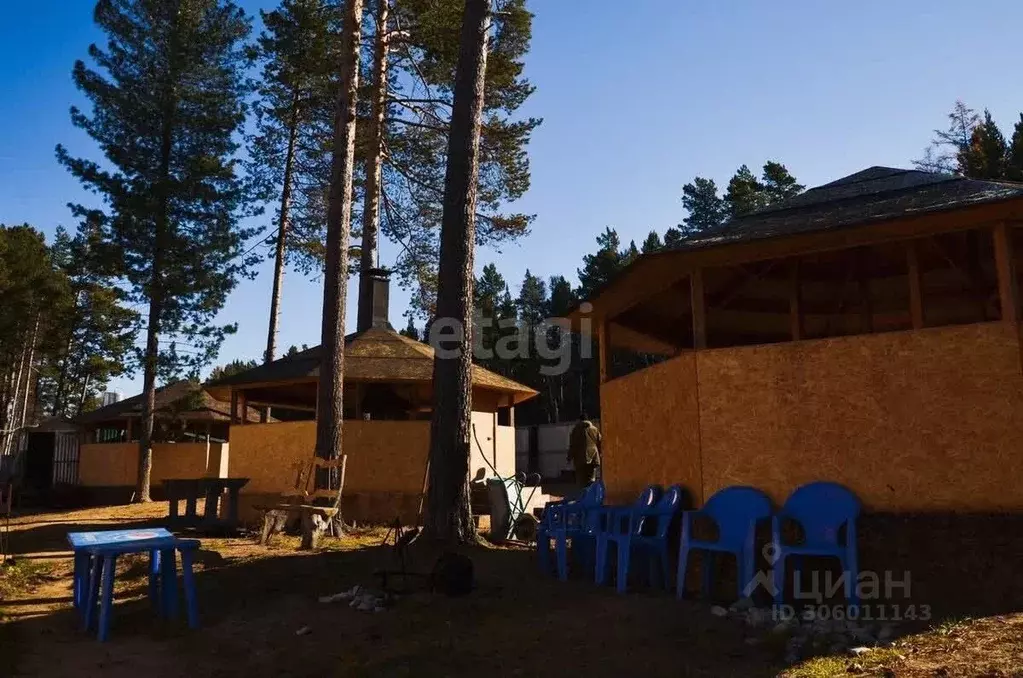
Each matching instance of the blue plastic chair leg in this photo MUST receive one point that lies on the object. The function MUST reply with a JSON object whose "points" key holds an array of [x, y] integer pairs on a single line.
{"points": [[561, 549], [778, 574], [191, 599], [624, 553], [709, 561], [683, 561], [80, 582], [851, 572], [169, 582], [600, 566], [109, 563], [92, 595], [543, 551], [665, 573], [744, 566]]}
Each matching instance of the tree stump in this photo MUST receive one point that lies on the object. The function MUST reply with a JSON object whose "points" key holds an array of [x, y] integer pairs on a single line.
{"points": [[274, 521], [314, 524]]}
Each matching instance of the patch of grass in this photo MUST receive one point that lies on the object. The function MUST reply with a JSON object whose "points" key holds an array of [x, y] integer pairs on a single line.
{"points": [[20, 577], [871, 662], [951, 626]]}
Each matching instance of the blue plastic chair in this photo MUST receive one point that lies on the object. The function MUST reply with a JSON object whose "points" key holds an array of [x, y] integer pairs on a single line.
{"points": [[735, 511], [646, 533], [821, 509], [568, 519]]}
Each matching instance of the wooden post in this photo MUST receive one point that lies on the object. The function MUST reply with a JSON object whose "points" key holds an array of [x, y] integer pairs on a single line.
{"points": [[127, 429], [795, 302], [1007, 287], [696, 298], [602, 349], [243, 408], [234, 406], [916, 304]]}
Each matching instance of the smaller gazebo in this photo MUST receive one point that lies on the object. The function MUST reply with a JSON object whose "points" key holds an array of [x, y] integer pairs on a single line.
{"points": [[388, 401], [190, 434], [184, 412]]}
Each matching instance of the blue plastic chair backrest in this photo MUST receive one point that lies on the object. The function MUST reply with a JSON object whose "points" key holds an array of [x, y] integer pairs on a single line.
{"points": [[734, 509], [821, 508], [593, 495], [665, 509]]}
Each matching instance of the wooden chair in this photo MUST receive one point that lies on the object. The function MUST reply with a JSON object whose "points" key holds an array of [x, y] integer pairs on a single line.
{"points": [[314, 519]]}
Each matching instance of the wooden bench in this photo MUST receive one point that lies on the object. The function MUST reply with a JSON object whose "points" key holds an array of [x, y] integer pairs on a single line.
{"points": [[314, 519]]}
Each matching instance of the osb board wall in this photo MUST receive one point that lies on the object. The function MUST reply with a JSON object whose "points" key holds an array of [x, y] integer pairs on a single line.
{"points": [[383, 456], [485, 436], [107, 464], [506, 451], [910, 421], [116, 464], [651, 429]]}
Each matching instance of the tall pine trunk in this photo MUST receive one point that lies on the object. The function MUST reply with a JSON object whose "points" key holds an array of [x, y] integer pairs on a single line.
{"points": [[156, 297], [282, 232], [330, 410], [374, 161], [449, 515]]}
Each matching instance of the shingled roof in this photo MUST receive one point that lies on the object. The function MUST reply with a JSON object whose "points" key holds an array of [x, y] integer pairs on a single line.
{"points": [[197, 404], [873, 194], [376, 354]]}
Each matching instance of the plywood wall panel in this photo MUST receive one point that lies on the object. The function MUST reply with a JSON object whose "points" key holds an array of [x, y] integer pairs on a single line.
{"points": [[911, 421], [650, 423]]}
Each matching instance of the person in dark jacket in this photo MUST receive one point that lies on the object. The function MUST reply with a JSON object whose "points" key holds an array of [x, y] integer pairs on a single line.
{"points": [[584, 451]]}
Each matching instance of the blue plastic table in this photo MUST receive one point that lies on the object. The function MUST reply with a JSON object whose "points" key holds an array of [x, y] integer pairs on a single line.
{"points": [[95, 564], [81, 541]]}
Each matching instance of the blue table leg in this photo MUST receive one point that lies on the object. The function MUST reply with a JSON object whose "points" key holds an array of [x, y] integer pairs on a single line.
{"points": [[92, 596], [80, 584], [109, 563], [168, 582], [191, 599], [154, 581]]}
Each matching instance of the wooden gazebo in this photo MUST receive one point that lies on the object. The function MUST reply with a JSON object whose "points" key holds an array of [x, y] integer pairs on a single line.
{"points": [[866, 331]]}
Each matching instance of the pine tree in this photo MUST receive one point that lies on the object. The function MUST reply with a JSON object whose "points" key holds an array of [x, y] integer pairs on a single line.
{"points": [[33, 296], [330, 415], [706, 209], [424, 61], [532, 300], [778, 184], [294, 113], [1014, 156], [985, 157], [411, 331], [745, 193], [946, 150], [449, 515], [236, 366], [652, 243], [92, 334], [167, 101], [600, 267], [382, 36]]}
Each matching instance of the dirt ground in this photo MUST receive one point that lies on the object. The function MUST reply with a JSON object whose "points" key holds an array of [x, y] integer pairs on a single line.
{"points": [[261, 617]]}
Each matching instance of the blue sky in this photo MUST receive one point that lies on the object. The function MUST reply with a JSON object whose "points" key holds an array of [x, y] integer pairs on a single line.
{"points": [[637, 98]]}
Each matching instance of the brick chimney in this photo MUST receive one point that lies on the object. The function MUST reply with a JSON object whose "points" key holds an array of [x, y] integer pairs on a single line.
{"points": [[374, 289]]}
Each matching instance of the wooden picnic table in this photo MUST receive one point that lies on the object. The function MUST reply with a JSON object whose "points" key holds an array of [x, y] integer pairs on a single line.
{"points": [[210, 489]]}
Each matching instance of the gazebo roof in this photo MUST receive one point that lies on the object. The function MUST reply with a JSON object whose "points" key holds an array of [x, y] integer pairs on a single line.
{"points": [[870, 196], [373, 355], [873, 194], [195, 404]]}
